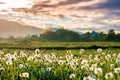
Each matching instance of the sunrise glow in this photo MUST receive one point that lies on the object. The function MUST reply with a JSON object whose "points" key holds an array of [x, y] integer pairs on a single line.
{"points": [[77, 15]]}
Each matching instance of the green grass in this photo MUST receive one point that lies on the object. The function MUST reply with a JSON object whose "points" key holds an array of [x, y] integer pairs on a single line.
{"points": [[45, 64], [59, 60], [58, 45]]}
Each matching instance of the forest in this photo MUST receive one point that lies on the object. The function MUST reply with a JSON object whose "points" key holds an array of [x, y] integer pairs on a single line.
{"points": [[64, 35]]}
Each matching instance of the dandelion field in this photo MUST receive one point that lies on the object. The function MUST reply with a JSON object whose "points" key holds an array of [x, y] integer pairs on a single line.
{"points": [[60, 64]]}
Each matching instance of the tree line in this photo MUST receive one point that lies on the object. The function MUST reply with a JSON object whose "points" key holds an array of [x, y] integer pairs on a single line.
{"points": [[64, 35]]}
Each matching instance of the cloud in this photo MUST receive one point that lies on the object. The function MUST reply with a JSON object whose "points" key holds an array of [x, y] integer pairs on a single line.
{"points": [[2, 3], [107, 4], [85, 15], [68, 2]]}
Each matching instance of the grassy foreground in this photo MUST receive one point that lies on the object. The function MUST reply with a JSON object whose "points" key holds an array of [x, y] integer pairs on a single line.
{"points": [[60, 64]]}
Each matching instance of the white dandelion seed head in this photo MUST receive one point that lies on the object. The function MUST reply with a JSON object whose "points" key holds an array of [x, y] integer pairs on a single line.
{"points": [[84, 61], [68, 51], [91, 78], [1, 52], [94, 66], [2, 69], [99, 50], [114, 55], [12, 58], [49, 68], [25, 75], [82, 51], [60, 62], [7, 55], [117, 61], [117, 70], [37, 51], [20, 66], [9, 62], [109, 75], [112, 65], [98, 71], [71, 76], [30, 58]]}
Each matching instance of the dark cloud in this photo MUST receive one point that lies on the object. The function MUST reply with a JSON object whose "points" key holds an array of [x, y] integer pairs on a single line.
{"points": [[110, 4], [42, 5], [68, 2], [2, 3]]}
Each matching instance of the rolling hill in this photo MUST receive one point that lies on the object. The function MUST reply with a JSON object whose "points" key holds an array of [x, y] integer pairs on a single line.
{"points": [[10, 28]]}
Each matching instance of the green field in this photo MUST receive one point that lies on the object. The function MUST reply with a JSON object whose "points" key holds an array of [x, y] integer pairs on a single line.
{"points": [[60, 61], [60, 64], [59, 45]]}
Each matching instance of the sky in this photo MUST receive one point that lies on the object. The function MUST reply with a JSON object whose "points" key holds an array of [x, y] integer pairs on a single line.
{"points": [[77, 15]]}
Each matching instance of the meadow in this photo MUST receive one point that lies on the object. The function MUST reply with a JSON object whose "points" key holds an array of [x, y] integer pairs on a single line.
{"points": [[58, 45], [28, 63]]}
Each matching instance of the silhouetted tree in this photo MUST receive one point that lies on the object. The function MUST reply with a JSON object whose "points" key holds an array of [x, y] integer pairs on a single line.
{"points": [[111, 36]]}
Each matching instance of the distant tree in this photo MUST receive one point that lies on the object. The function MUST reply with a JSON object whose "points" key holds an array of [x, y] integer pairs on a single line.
{"points": [[11, 38], [61, 35], [111, 36], [118, 37], [65, 35]]}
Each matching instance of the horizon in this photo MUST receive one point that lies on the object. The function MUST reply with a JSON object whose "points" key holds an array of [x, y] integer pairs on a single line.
{"points": [[76, 15]]}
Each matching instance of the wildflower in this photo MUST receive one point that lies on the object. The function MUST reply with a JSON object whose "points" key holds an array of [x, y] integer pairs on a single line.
{"points": [[37, 51], [112, 65], [86, 67], [68, 51], [91, 78], [49, 68], [1, 52], [41, 61], [2, 69], [114, 55], [93, 66], [117, 70], [117, 61], [73, 65], [109, 75], [90, 57], [60, 62], [20, 66], [108, 56], [24, 75], [22, 54], [3, 59], [102, 63], [12, 58], [103, 53], [30, 58], [7, 55], [99, 50], [98, 71], [82, 51], [9, 62], [72, 76], [15, 54], [85, 78], [84, 61], [97, 58]]}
